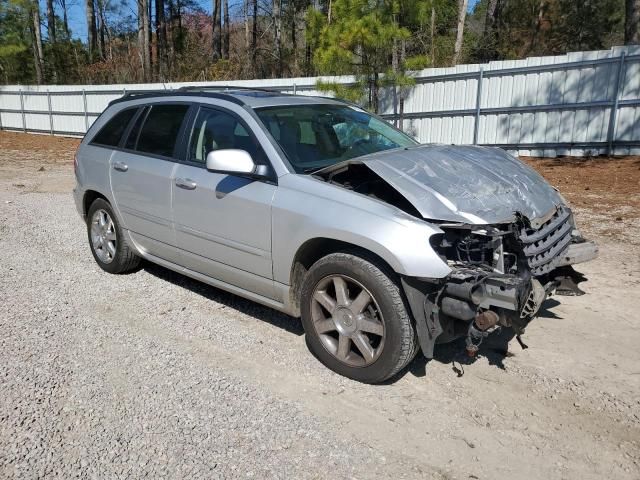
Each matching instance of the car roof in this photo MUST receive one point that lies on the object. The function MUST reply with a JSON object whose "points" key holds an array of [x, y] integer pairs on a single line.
{"points": [[251, 97]]}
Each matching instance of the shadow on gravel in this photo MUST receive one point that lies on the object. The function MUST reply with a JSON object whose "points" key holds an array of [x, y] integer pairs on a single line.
{"points": [[455, 354], [255, 310], [545, 310]]}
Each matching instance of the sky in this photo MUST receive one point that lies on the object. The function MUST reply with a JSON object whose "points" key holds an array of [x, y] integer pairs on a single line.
{"points": [[78, 22]]}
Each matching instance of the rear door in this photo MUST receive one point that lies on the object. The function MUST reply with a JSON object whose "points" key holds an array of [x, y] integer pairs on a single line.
{"points": [[223, 222], [141, 176]]}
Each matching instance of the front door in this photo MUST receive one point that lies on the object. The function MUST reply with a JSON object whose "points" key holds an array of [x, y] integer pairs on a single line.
{"points": [[141, 177], [223, 222]]}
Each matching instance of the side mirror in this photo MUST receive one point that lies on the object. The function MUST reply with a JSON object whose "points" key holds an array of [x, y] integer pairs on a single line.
{"points": [[234, 162]]}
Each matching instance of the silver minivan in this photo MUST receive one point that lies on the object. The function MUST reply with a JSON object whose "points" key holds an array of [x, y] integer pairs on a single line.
{"points": [[321, 210]]}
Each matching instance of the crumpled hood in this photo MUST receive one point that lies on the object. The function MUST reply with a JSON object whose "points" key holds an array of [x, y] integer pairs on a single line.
{"points": [[469, 184]]}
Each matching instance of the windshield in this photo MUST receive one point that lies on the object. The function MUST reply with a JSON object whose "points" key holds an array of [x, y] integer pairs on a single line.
{"points": [[316, 136]]}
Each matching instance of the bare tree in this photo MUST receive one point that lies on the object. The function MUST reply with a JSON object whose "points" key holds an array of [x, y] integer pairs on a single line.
{"points": [[294, 34], [217, 32], [254, 38], [276, 12], [36, 38], [433, 33], [104, 31], [226, 30], [65, 18], [161, 37], [632, 22], [92, 38], [51, 32], [51, 22], [143, 39], [462, 15], [247, 29], [101, 29]]}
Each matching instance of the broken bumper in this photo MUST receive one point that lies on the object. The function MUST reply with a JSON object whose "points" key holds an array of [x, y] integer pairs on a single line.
{"points": [[578, 253]]}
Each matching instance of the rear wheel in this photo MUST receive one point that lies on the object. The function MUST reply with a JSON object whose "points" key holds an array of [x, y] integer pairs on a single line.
{"points": [[355, 318], [107, 241]]}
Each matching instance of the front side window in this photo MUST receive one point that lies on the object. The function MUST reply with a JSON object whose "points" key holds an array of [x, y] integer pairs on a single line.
{"points": [[159, 133], [218, 130], [317, 136], [109, 135]]}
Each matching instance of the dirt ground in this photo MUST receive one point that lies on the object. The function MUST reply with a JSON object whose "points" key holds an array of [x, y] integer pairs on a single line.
{"points": [[568, 407]]}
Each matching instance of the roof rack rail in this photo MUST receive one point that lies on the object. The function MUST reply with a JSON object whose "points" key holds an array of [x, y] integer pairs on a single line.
{"points": [[227, 88], [134, 94]]}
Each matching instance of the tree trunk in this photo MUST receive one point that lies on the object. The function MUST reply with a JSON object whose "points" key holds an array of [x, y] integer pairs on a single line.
{"points": [[396, 71], [105, 31], [247, 29], [51, 22], [294, 38], [36, 38], [149, 36], [277, 33], [226, 33], [170, 41], [490, 30], [51, 31], [65, 19], [403, 56], [536, 32], [101, 30], [92, 38], [632, 22], [217, 33], [490, 18], [254, 38], [433, 35], [161, 36], [143, 39], [462, 15]]}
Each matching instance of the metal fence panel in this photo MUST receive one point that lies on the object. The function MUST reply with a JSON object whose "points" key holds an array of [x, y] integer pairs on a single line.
{"points": [[582, 103]]}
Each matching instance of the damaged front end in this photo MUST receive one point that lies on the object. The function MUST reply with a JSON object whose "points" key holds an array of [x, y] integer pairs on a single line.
{"points": [[509, 237], [501, 275]]}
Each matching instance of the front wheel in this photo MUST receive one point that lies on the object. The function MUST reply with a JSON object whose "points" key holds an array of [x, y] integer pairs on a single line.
{"points": [[107, 241], [355, 318]]}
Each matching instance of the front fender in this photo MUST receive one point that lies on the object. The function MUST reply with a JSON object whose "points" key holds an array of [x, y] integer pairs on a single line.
{"points": [[305, 209]]}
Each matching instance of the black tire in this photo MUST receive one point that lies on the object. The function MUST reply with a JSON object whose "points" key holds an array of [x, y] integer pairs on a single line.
{"points": [[124, 260], [400, 343]]}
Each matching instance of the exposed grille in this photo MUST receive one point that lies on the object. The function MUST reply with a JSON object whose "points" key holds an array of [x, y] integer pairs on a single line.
{"points": [[543, 247]]}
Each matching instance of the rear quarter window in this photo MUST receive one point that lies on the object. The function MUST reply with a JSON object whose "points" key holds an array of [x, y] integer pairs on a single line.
{"points": [[110, 134]]}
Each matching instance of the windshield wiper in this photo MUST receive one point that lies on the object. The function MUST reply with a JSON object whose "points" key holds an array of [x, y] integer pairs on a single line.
{"points": [[312, 170]]}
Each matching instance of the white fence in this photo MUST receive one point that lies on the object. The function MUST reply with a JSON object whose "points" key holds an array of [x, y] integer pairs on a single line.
{"points": [[583, 103]]}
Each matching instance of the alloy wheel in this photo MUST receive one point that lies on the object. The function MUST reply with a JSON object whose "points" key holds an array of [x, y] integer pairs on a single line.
{"points": [[348, 321], [103, 236]]}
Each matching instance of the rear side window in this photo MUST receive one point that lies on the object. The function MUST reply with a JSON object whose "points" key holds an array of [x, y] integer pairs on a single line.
{"points": [[110, 134], [160, 130]]}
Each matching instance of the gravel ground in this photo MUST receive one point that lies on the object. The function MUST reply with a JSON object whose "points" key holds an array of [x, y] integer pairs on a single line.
{"points": [[153, 374]]}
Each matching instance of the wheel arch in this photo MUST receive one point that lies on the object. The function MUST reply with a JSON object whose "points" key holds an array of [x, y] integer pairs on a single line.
{"points": [[316, 248], [89, 197]]}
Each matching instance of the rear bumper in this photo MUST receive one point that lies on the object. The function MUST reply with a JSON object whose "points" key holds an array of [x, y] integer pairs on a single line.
{"points": [[578, 253]]}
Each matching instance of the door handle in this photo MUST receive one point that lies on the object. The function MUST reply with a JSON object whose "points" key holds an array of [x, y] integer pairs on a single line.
{"points": [[120, 166], [186, 183]]}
